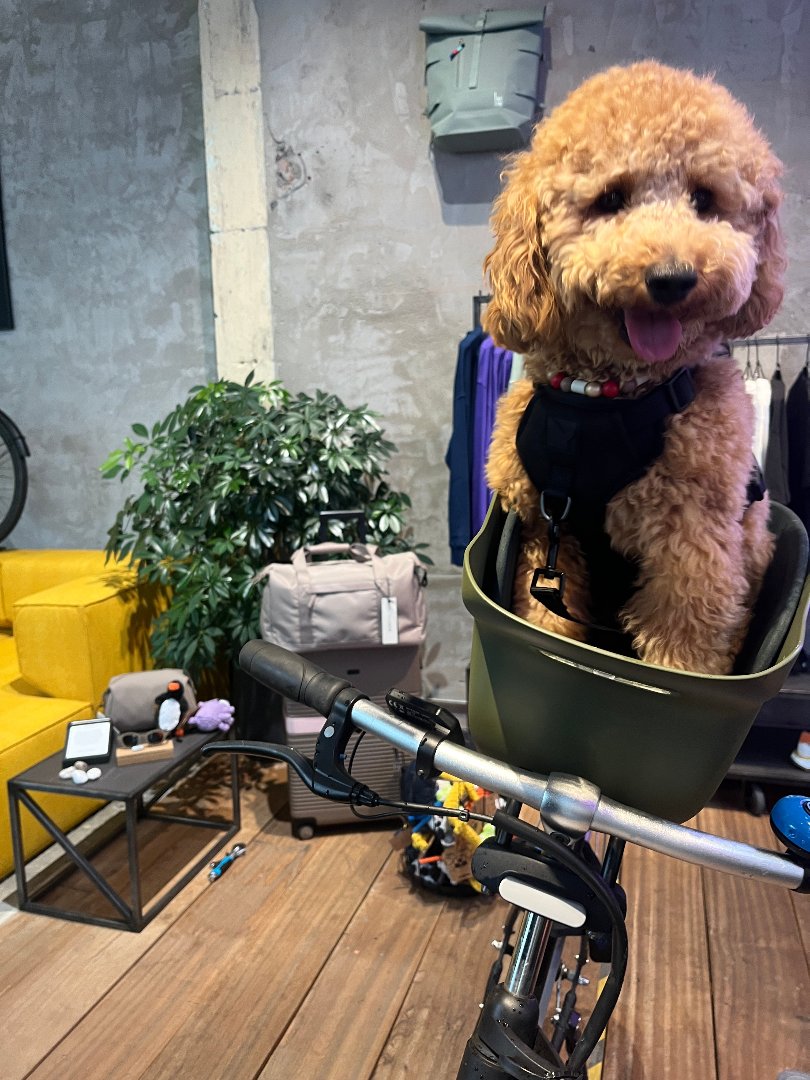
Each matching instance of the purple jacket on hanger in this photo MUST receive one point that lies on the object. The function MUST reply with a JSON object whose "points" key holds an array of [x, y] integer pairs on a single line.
{"points": [[492, 379], [459, 450]]}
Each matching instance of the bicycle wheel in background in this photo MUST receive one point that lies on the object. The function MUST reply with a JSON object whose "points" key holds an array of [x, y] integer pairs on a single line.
{"points": [[13, 474]]}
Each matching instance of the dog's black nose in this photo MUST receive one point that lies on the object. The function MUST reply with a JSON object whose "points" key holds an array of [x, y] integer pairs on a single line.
{"points": [[668, 283]]}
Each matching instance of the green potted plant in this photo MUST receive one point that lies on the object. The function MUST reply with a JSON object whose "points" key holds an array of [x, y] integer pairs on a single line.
{"points": [[234, 478]]}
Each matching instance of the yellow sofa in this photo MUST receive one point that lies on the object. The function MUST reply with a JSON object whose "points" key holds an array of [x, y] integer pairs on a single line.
{"points": [[68, 623]]}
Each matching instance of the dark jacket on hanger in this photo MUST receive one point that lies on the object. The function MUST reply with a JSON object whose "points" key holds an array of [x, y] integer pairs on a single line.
{"points": [[798, 427], [776, 455]]}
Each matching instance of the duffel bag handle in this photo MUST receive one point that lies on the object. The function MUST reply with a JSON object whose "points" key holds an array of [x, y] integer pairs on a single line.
{"points": [[342, 515], [359, 552]]}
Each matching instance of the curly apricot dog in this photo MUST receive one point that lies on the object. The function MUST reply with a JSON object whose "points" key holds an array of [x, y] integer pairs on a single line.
{"points": [[636, 234]]}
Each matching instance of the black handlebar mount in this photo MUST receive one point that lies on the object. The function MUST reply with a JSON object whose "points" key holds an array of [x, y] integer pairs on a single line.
{"points": [[298, 678]]}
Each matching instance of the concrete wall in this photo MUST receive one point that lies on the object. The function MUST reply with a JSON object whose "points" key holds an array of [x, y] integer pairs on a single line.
{"points": [[376, 256], [376, 246], [103, 176]]}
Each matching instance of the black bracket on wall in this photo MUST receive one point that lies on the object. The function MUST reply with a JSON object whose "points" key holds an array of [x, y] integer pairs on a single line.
{"points": [[6, 315]]}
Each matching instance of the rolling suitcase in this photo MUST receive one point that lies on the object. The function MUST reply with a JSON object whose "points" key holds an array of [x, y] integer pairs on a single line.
{"points": [[376, 763], [358, 614]]}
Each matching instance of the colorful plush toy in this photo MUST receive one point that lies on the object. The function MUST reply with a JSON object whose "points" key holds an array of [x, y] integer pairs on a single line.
{"points": [[213, 715], [439, 851]]}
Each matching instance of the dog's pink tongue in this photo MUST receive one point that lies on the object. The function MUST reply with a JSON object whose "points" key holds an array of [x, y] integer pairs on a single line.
{"points": [[653, 335]]}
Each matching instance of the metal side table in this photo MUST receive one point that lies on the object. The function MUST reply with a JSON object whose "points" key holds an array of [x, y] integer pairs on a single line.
{"points": [[139, 787]]}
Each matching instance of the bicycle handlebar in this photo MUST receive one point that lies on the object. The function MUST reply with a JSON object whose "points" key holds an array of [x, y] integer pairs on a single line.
{"points": [[564, 802], [291, 675]]}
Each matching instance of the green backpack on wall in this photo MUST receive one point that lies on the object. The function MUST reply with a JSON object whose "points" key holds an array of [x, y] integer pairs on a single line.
{"points": [[481, 75]]}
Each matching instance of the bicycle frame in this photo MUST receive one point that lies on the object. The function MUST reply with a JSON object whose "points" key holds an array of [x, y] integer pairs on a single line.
{"points": [[508, 1041], [571, 807]]}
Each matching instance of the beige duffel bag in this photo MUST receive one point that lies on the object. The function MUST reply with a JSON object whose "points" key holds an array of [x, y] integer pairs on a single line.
{"points": [[359, 599]]}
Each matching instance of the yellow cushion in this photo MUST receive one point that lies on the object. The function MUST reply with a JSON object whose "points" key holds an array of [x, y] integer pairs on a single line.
{"points": [[73, 638], [31, 728], [31, 571]]}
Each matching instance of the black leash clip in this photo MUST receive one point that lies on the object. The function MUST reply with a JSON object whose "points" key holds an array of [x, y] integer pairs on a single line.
{"points": [[549, 572]]}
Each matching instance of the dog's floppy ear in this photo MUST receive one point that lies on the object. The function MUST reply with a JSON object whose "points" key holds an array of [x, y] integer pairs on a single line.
{"points": [[768, 288], [523, 308]]}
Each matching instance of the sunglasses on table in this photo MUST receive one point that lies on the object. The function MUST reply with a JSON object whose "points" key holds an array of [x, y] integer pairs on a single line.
{"points": [[131, 739]]}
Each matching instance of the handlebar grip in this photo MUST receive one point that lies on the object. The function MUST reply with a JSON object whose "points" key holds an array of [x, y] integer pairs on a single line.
{"points": [[291, 675]]}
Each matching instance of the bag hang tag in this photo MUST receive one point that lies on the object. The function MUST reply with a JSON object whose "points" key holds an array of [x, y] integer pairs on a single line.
{"points": [[389, 620]]}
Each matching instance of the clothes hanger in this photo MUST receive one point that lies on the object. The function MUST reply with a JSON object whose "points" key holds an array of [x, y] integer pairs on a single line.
{"points": [[747, 373], [758, 371], [777, 373]]}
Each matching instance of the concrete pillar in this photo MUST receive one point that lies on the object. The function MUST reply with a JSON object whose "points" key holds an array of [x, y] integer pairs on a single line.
{"points": [[237, 190]]}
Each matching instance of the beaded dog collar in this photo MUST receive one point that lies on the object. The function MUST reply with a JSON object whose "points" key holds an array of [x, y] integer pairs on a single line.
{"points": [[609, 388]]}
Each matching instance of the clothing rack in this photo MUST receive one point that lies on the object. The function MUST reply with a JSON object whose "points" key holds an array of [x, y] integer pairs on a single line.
{"points": [[788, 339], [478, 302], [752, 344]]}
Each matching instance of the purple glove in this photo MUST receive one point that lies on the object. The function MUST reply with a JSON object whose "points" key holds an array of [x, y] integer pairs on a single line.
{"points": [[212, 715]]}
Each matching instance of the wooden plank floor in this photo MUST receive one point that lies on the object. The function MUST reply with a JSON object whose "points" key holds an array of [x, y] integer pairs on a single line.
{"points": [[319, 960]]}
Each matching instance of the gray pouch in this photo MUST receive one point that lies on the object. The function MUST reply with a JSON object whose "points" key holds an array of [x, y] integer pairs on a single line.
{"points": [[129, 700]]}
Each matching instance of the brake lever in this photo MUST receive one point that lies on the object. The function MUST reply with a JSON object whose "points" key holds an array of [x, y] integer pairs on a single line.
{"points": [[336, 784], [269, 751]]}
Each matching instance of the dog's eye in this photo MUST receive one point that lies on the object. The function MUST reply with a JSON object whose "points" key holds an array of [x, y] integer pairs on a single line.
{"points": [[702, 200], [611, 201]]}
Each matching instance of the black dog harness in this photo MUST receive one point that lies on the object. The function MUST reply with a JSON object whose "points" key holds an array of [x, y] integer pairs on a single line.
{"points": [[579, 452]]}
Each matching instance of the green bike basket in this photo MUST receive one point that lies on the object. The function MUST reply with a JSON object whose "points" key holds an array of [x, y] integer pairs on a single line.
{"points": [[650, 737]]}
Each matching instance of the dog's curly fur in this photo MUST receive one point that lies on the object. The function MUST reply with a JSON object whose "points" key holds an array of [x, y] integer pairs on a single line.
{"points": [[565, 267]]}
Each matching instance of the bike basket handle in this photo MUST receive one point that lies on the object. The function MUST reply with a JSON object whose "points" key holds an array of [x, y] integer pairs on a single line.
{"points": [[291, 675]]}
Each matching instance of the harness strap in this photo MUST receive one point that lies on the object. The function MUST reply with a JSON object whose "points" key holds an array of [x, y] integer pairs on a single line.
{"points": [[563, 467], [551, 594]]}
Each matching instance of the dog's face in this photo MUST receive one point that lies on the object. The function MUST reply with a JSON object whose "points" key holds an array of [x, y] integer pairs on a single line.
{"points": [[639, 229]]}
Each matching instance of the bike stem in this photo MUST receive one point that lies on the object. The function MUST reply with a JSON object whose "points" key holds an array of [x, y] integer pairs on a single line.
{"points": [[530, 947]]}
